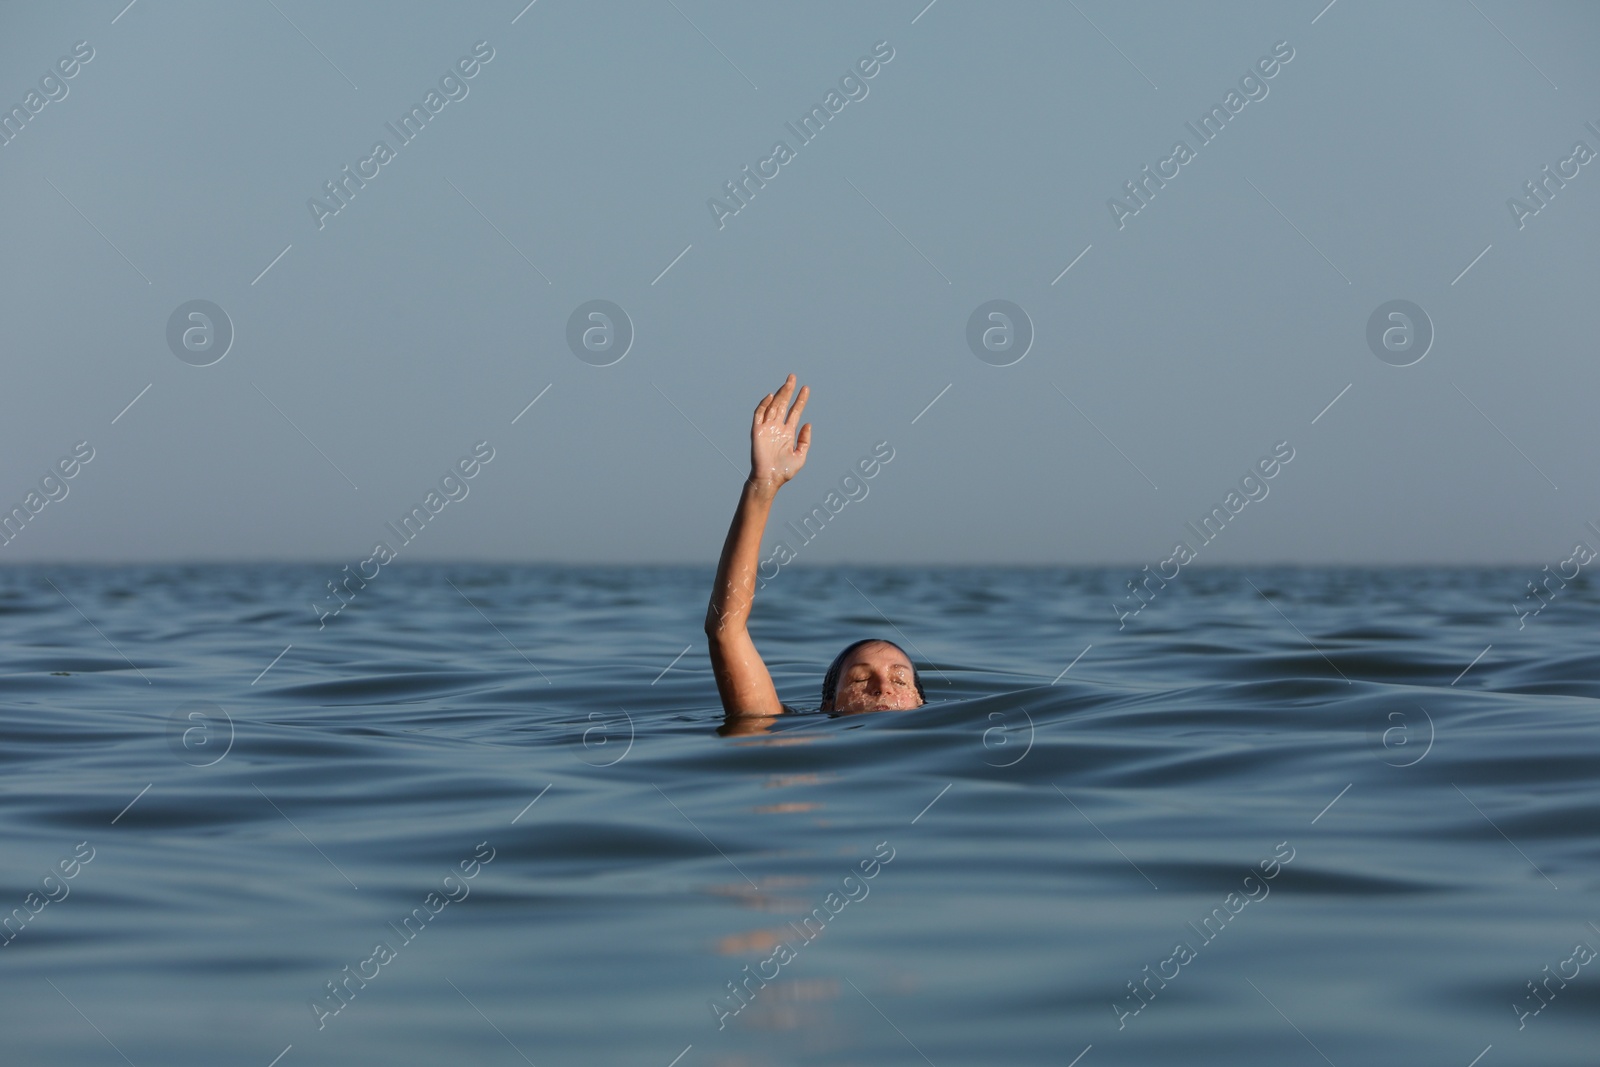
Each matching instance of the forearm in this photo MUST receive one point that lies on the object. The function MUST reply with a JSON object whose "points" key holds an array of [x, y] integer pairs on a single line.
{"points": [[733, 590]]}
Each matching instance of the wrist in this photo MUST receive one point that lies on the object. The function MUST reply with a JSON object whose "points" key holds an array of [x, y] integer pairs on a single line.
{"points": [[762, 488]]}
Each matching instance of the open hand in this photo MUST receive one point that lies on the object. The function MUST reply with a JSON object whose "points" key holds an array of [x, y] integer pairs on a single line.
{"points": [[776, 453]]}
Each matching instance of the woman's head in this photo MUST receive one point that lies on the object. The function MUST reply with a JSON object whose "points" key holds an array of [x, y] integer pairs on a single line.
{"points": [[871, 675]]}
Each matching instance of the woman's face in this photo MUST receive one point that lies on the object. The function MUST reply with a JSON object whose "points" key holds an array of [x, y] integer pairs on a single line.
{"points": [[875, 677]]}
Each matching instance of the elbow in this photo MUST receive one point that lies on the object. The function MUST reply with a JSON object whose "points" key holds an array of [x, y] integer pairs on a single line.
{"points": [[724, 632], [721, 622], [718, 631]]}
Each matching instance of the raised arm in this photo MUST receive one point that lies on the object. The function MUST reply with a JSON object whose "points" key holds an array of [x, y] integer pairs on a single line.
{"points": [[776, 454]]}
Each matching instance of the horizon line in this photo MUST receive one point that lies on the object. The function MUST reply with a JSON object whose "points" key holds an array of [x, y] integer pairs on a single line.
{"points": [[317, 561]]}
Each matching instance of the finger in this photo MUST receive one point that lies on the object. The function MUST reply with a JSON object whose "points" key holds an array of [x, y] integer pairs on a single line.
{"points": [[804, 444], [799, 405], [761, 408], [784, 393]]}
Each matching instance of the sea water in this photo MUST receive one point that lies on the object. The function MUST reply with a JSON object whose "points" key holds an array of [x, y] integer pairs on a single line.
{"points": [[492, 815]]}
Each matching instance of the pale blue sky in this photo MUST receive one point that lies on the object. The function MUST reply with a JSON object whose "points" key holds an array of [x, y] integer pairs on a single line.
{"points": [[1177, 351]]}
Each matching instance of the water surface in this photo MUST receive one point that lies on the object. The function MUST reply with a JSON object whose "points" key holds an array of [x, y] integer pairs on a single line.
{"points": [[266, 802]]}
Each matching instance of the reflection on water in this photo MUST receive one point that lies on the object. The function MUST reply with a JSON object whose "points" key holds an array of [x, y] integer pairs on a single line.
{"points": [[1072, 798]]}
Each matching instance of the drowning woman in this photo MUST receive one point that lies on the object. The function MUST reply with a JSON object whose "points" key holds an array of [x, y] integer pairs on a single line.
{"points": [[872, 674]]}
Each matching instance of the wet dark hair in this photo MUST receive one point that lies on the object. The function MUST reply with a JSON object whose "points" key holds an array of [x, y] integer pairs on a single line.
{"points": [[830, 681]]}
